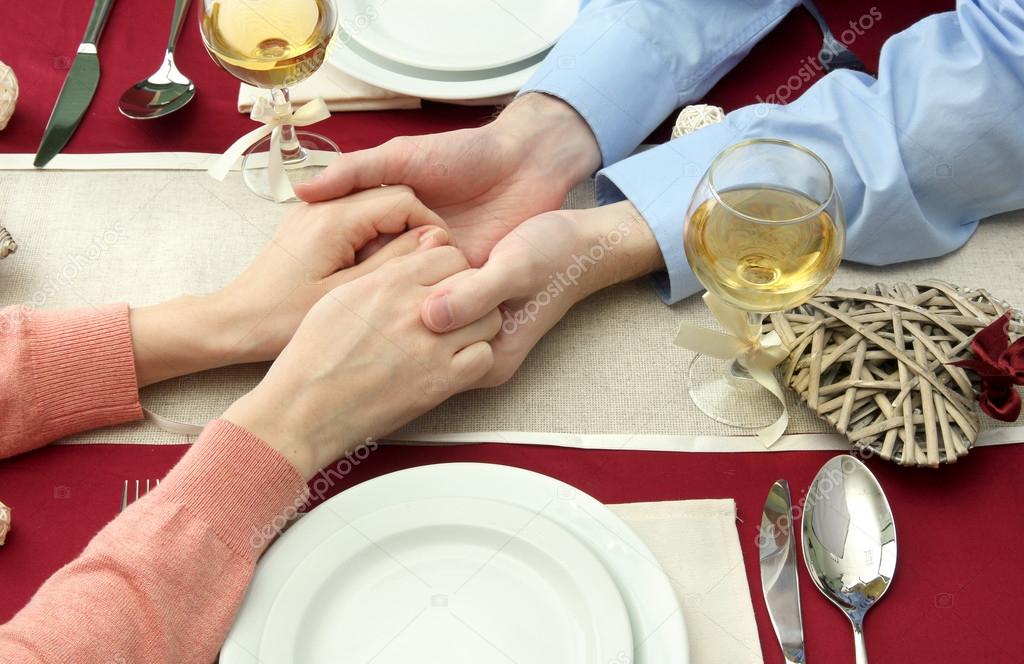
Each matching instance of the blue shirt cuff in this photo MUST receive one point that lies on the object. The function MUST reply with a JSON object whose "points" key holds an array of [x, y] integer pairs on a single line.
{"points": [[614, 78], [660, 183]]}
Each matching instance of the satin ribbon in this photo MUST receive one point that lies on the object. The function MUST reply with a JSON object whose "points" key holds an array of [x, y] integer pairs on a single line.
{"points": [[264, 111], [173, 426], [1000, 367], [758, 353]]}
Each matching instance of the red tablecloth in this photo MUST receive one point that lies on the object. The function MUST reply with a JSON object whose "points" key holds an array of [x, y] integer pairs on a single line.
{"points": [[954, 598], [957, 582]]}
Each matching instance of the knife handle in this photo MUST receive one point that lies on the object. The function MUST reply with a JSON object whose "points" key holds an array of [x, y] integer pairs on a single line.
{"points": [[97, 20]]}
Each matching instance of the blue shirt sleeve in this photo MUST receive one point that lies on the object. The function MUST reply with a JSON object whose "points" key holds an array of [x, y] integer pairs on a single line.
{"points": [[625, 65], [919, 156]]}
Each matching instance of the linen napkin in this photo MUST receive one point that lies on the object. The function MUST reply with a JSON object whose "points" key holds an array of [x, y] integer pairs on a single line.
{"points": [[341, 92], [698, 546]]}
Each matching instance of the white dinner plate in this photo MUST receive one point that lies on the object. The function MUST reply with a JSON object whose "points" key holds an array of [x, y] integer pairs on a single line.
{"points": [[456, 35], [443, 581], [656, 623], [356, 60]]}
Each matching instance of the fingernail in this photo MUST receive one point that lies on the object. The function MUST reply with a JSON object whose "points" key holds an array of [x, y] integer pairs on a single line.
{"points": [[433, 238], [439, 313], [315, 180]]}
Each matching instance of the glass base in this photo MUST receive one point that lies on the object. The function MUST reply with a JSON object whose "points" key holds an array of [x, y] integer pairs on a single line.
{"points": [[727, 394], [297, 169]]}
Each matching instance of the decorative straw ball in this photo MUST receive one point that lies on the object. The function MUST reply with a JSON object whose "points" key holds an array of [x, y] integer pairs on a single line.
{"points": [[8, 94], [5, 522], [694, 117]]}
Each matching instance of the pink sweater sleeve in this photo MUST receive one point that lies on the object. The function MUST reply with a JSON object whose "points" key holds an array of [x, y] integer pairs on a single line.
{"points": [[162, 581], [62, 372]]}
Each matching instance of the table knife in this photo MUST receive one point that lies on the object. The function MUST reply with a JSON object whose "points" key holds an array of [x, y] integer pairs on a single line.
{"points": [[78, 88], [778, 571]]}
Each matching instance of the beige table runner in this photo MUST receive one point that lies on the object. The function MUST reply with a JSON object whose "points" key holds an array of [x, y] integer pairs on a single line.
{"points": [[607, 376]]}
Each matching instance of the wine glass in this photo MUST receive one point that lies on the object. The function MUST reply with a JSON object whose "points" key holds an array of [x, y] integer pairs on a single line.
{"points": [[272, 44], [765, 231]]}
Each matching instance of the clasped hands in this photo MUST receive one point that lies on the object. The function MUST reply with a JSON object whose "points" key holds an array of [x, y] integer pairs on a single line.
{"points": [[380, 302]]}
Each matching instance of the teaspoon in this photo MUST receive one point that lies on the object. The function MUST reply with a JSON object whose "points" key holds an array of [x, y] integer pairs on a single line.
{"points": [[167, 89], [849, 540]]}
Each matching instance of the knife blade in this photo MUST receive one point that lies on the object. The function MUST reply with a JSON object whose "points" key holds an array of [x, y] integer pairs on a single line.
{"points": [[779, 573], [78, 89]]}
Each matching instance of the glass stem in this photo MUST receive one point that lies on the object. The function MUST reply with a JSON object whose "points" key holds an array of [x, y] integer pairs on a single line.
{"points": [[736, 370], [291, 151]]}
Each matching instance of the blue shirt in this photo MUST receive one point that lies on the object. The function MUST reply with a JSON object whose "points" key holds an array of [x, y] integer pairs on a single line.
{"points": [[918, 155]]}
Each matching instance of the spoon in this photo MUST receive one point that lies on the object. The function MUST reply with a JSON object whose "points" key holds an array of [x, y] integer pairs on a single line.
{"points": [[849, 540], [167, 89]]}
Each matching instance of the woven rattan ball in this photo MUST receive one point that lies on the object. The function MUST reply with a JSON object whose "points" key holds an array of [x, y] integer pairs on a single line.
{"points": [[875, 363], [8, 94]]}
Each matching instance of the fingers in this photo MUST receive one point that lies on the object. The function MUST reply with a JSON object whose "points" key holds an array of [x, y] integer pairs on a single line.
{"points": [[418, 239], [428, 268], [373, 246], [364, 169], [484, 329], [465, 300], [364, 216], [470, 365]]}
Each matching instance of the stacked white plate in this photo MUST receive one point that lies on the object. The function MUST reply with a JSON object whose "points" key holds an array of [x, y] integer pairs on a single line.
{"points": [[448, 49], [459, 564]]}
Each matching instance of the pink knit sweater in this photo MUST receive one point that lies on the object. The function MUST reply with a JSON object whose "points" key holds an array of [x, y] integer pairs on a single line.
{"points": [[162, 581]]}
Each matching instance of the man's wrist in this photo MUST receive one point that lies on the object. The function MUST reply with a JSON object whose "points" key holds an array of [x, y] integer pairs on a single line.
{"points": [[619, 244], [558, 140]]}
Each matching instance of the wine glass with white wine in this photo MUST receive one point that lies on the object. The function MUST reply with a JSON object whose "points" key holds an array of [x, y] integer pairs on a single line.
{"points": [[272, 44], [765, 231]]}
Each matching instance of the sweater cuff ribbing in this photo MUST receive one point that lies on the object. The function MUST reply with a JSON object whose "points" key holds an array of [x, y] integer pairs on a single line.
{"points": [[239, 485], [83, 369]]}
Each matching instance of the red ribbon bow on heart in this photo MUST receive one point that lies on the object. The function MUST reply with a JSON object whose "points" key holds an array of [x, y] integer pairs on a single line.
{"points": [[1000, 365]]}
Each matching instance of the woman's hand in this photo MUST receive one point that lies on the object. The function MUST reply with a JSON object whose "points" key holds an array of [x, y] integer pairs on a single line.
{"points": [[539, 272], [253, 317], [362, 363]]}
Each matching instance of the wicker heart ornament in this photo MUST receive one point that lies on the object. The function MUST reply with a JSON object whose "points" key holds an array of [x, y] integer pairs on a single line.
{"points": [[874, 362]]}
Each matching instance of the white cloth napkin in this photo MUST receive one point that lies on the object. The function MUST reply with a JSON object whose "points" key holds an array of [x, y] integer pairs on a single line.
{"points": [[698, 546], [345, 93], [341, 92]]}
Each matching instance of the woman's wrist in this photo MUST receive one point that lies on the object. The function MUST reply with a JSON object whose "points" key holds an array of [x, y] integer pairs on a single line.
{"points": [[185, 335], [272, 425], [557, 141]]}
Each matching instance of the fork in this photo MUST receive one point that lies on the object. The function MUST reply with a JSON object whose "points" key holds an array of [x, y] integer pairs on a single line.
{"points": [[833, 54], [138, 493]]}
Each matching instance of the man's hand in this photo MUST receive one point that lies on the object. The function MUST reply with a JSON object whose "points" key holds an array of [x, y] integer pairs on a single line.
{"points": [[538, 272], [484, 182]]}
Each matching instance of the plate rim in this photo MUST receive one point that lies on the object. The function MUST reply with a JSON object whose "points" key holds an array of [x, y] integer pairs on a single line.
{"points": [[569, 11], [657, 638], [345, 56], [587, 574]]}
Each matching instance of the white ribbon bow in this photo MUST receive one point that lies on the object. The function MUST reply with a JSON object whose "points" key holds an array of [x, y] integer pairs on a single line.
{"points": [[758, 354], [264, 111]]}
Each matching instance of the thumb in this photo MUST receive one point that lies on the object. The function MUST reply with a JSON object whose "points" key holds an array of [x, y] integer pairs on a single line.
{"points": [[363, 169], [465, 298]]}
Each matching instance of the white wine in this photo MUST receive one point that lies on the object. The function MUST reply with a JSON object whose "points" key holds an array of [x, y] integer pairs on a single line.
{"points": [[775, 254], [269, 43]]}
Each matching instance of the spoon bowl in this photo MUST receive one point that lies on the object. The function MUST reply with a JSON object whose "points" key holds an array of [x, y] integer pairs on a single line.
{"points": [[849, 540], [165, 91]]}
